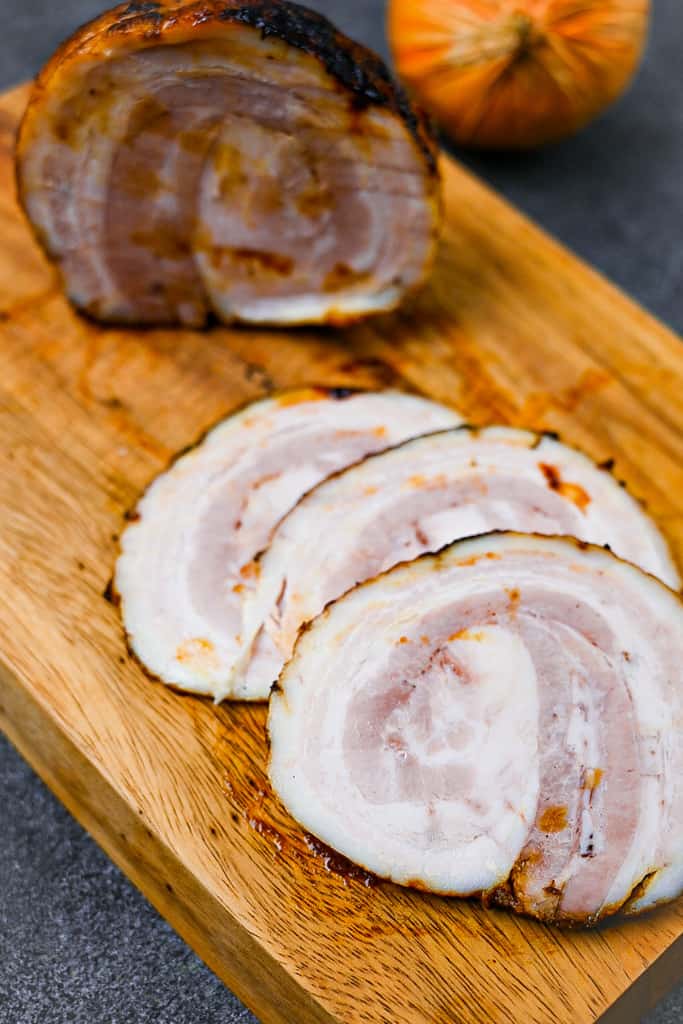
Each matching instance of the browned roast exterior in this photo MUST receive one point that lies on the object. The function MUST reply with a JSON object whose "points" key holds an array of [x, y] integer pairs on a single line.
{"points": [[364, 90]]}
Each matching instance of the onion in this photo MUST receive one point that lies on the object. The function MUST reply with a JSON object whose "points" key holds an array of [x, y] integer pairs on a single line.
{"points": [[516, 73]]}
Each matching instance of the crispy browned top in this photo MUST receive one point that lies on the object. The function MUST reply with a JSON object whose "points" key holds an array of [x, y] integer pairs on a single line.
{"points": [[355, 67]]}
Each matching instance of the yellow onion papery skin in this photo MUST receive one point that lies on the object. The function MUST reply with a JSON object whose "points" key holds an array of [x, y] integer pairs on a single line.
{"points": [[515, 74]]}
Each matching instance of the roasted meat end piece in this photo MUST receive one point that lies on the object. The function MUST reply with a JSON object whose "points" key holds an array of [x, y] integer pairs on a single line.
{"points": [[503, 720], [244, 160]]}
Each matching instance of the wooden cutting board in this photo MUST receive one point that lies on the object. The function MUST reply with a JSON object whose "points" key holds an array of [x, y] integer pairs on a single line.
{"points": [[512, 329]]}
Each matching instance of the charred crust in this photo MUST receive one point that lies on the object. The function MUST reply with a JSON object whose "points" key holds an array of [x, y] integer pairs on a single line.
{"points": [[607, 465], [133, 657], [551, 474], [417, 884], [507, 896], [641, 887], [338, 394], [187, 448], [544, 435], [132, 515], [502, 895], [111, 594], [141, 8], [276, 689], [355, 67], [308, 625], [149, 20]]}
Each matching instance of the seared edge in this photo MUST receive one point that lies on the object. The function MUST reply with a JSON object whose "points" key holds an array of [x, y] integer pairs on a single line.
{"points": [[507, 893], [132, 26]]}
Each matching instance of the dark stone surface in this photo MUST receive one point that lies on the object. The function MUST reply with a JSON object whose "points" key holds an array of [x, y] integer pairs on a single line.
{"points": [[79, 945]]}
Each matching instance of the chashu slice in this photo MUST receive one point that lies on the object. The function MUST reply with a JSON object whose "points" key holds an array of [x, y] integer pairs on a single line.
{"points": [[222, 157], [417, 498], [503, 719], [186, 554]]}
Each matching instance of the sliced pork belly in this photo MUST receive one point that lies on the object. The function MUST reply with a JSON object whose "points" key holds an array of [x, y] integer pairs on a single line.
{"points": [[503, 719], [417, 498], [241, 159], [186, 555]]}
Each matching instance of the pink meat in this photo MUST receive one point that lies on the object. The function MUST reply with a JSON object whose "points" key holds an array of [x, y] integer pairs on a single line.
{"points": [[502, 719], [238, 159]]}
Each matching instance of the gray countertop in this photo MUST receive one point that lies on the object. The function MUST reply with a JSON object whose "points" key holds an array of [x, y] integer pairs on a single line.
{"points": [[79, 945]]}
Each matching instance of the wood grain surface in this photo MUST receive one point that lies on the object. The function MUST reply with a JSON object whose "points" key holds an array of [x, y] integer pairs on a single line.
{"points": [[511, 329]]}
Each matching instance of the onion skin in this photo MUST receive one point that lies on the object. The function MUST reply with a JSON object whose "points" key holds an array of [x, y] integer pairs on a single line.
{"points": [[516, 74]]}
